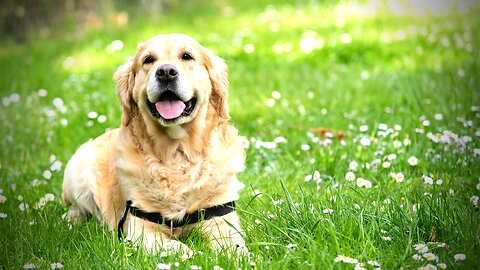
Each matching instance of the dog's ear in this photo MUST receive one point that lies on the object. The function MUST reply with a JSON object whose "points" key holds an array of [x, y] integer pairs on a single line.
{"points": [[124, 80], [218, 72]]}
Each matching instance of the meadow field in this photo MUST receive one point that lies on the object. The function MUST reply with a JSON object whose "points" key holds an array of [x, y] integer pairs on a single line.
{"points": [[360, 120]]}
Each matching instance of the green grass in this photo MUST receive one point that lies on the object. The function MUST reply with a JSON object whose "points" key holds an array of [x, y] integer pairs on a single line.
{"points": [[378, 78]]}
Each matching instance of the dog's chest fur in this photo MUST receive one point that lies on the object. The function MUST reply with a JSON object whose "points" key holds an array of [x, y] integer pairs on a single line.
{"points": [[179, 184]]}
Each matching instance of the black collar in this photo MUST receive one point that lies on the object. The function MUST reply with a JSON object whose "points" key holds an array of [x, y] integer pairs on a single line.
{"points": [[203, 214]]}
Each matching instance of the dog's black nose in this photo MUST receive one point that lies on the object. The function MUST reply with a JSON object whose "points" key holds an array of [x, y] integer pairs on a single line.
{"points": [[166, 73]]}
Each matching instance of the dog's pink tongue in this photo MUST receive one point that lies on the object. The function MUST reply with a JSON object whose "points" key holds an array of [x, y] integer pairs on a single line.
{"points": [[170, 109]]}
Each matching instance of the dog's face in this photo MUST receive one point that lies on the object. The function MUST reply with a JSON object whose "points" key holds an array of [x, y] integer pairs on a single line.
{"points": [[172, 80]]}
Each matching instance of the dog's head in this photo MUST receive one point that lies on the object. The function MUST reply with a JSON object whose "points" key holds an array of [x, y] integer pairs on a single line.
{"points": [[172, 80]]}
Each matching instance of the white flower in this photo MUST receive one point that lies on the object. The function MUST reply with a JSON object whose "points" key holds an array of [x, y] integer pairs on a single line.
{"points": [[42, 93], [3, 199], [363, 128], [397, 144], [428, 267], [399, 177], [23, 206], [291, 246], [439, 182], [328, 211], [360, 182], [29, 266], [386, 164], [382, 126], [216, 267], [374, 263], [442, 266], [430, 256], [417, 257], [478, 186], [422, 248], [460, 257], [387, 238], [391, 157], [47, 174], [353, 165], [359, 267], [163, 266], [474, 200], [365, 141], [49, 197], [407, 142], [368, 184], [280, 140], [427, 180], [92, 115], [350, 176], [56, 266], [438, 116], [476, 152], [56, 166], [339, 258], [195, 267], [305, 147], [102, 118], [3, 215], [350, 260], [413, 161]]}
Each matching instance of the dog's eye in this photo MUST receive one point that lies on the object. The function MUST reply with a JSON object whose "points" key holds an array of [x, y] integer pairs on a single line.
{"points": [[148, 60], [187, 56]]}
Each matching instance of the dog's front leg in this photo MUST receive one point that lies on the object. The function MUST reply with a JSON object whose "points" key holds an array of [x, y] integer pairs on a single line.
{"points": [[151, 237], [224, 233]]}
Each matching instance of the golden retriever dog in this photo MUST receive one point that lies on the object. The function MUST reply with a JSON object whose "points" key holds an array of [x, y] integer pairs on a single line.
{"points": [[172, 164]]}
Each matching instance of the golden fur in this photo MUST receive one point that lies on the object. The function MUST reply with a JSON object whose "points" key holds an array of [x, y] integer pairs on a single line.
{"points": [[172, 167]]}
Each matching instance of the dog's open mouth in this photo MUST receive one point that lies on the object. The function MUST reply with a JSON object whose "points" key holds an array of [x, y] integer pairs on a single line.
{"points": [[170, 107]]}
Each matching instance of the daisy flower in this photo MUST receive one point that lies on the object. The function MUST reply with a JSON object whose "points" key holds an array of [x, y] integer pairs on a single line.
{"points": [[386, 164], [417, 257], [49, 197], [365, 141], [47, 174], [350, 176], [413, 161], [163, 266], [353, 165], [360, 182], [216, 267], [442, 266], [29, 266], [305, 147], [428, 267], [56, 266], [430, 256], [328, 211], [291, 246], [460, 257], [399, 177], [3, 215], [3, 199], [23, 206], [474, 200], [422, 248], [339, 258], [427, 180]]}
